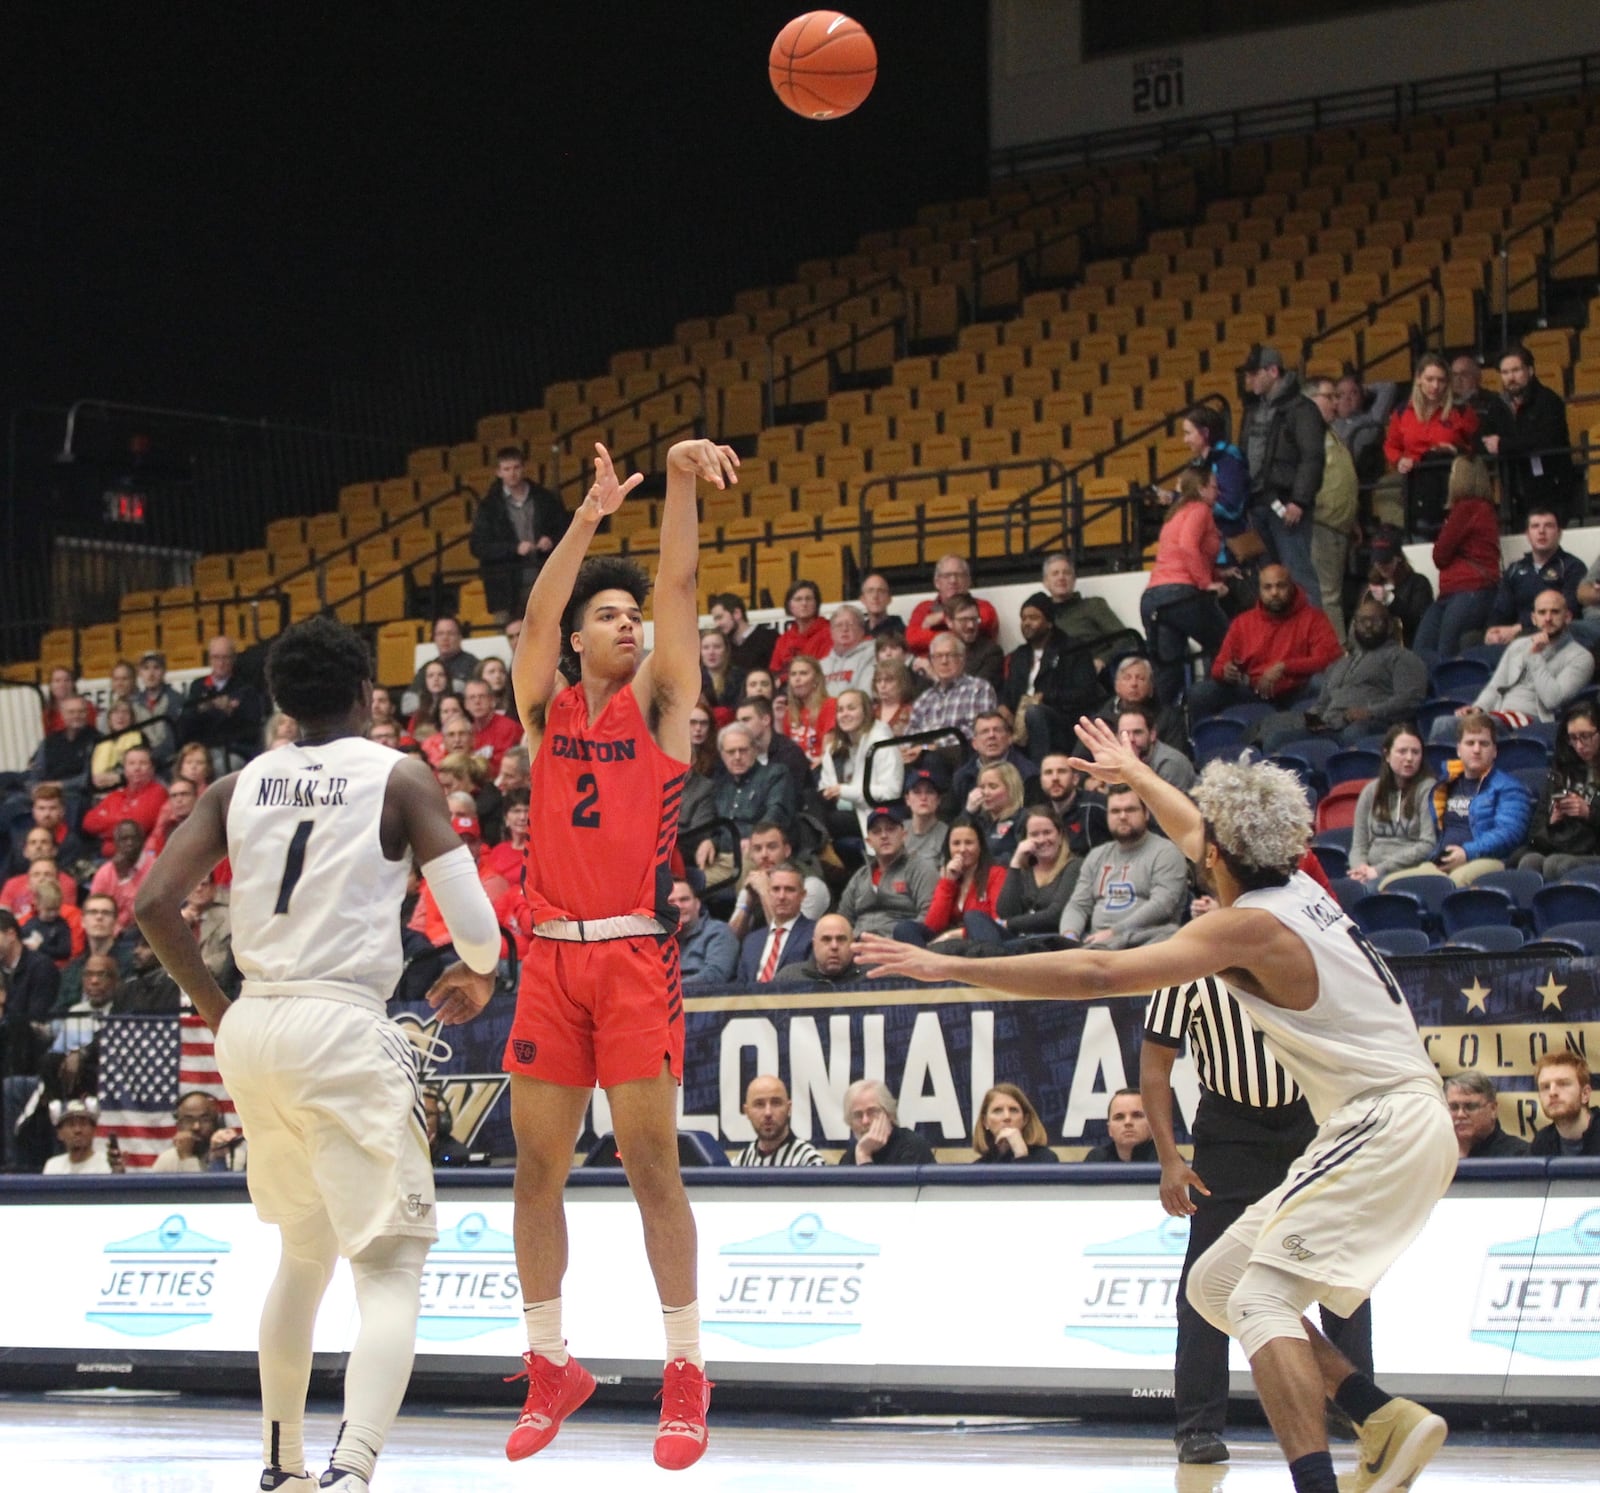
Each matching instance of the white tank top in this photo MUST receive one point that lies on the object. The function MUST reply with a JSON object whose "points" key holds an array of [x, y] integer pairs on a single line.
{"points": [[1359, 1038], [315, 906]]}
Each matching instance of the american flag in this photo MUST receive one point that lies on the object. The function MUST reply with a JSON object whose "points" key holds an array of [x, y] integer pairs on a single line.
{"points": [[145, 1063]]}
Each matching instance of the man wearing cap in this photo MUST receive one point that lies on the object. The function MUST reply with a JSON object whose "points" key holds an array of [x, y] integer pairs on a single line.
{"points": [[925, 829], [156, 707], [1406, 594], [81, 1156], [1049, 681], [1282, 440], [893, 886]]}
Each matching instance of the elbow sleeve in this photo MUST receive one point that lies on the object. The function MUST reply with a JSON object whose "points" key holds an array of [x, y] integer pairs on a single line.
{"points": [[464, 905]]}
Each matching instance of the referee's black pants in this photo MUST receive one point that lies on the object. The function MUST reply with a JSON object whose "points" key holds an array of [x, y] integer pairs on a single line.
{"points": [[1241, 1154]]}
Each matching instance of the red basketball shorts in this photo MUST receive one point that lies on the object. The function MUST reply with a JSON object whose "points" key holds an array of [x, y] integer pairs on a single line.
{"points": [[598, 1013]]}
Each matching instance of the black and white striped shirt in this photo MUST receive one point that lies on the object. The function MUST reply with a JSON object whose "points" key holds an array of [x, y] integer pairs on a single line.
{"points": [[793, 1152], [1230, 1055]]}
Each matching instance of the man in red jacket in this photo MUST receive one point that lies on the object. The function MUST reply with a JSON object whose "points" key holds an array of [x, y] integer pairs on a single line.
{"points": [[1270, 652], [140, 798]]}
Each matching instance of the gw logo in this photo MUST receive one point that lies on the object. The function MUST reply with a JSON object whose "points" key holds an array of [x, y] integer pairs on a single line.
{"points": [[1295, 1247]]}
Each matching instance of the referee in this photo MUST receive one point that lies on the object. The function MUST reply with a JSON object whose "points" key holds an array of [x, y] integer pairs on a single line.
{"points": [[1250, 1124]]}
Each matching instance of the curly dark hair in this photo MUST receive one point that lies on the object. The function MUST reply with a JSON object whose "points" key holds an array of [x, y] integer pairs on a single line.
{"points": [[316, 669], [603, 573]]}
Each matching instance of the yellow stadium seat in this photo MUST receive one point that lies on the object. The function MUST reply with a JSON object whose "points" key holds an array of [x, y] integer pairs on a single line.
{"points": [[210, 569], [472, 606], [770, 500], [397, 643], [890, 527], [721, 573]]}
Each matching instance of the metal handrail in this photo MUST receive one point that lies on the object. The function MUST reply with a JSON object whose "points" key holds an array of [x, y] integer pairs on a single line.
{"points": [[1165, 421], [1542, 224], [1395, 101], [558, 438]]}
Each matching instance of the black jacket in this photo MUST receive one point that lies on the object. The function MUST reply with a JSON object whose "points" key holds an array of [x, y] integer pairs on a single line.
{"points": [[1290, 468], [903, 1148], [494, 542], [1066, 685], [237, 731], [1547, 1142], [1538, 424], [1498, 1143], [30, 996], [1144, 1151]]}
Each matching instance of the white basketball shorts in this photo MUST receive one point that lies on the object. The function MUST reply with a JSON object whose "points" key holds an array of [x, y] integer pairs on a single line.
{"points": [[330, 1099]]}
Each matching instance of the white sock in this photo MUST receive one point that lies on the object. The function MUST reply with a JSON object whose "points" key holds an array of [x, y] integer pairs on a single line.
{"points": [[544, 1329], [683, 1333]]}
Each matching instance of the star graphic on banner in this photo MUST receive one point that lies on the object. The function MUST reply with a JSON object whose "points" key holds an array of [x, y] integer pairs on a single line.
{"points": [[1476, 995], [1550, 991]]}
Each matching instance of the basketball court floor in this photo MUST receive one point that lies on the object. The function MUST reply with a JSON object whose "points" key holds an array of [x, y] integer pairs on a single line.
{"points": [[106, 1443]]}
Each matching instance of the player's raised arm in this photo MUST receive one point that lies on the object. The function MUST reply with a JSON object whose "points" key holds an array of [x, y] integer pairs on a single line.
{"points": [[1109, 762], [1222, 940], [533, 668], [189, 856], [669, 680]]}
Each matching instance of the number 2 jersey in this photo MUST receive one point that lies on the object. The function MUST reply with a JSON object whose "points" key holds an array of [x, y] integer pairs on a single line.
{"points": [[604, 819], [1360, 1037], [315, 906]]}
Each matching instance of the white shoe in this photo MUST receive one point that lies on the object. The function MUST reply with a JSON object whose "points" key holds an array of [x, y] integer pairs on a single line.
{"points": [[337, 1480], [1397, 1442]]}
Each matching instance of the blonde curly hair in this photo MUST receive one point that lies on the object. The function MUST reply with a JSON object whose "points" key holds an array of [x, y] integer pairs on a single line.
{"points": [[1257, 814]]}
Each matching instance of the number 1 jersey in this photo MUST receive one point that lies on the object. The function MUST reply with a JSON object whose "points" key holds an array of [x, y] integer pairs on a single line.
{"points": [[315, 906], [605, 802]]}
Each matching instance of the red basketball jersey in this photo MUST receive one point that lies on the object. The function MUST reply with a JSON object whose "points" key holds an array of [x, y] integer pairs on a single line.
{"points": [[604, 814]]}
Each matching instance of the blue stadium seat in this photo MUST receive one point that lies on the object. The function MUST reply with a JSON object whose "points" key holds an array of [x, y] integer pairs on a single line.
{"points": [[1518, 752], [1429, 893], [1585, 937], [1315, 749], [1396, 943], [1493, 938], [1339, 838], [1459, 678], [1544, 731], [1533, 779], [1583, 875], [1432, 708], [1474, 907], [1487, 654], [1217, 737], [1519, 885], [1439, 757], [1352, 764], [1381, 912], [1349, 891], [1248, 713], [1334, 859], [1565, 902]]}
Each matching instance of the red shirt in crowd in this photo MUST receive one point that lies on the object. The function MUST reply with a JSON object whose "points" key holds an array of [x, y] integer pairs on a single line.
{"points": [[143, 807], [1301, 639], [982, 895], [494, 738], [1467, 551], [1413, 437], [919, 636], [814, 639]]}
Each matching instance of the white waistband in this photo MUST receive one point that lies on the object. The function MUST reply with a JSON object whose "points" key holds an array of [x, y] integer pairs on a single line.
{"points": [[315, 990], [599, 930]]}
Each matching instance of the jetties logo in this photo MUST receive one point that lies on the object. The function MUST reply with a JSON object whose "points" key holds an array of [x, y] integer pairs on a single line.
{"points": [[1126, 1290], [792, 1288], [1541, 1296], [469, 1283], [158, 1282]]}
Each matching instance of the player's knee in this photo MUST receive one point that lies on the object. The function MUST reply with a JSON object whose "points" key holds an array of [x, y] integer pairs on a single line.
{"points": [[540, 1175], [397, 1255], [1211, 1281], [1267, 1304]]}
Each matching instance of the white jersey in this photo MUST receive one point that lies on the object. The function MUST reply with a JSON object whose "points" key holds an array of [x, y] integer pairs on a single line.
{"points": [[315, 906], [1359, 1038]]}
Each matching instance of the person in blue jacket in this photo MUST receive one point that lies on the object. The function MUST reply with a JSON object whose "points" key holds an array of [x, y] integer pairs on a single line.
{"points": [[1482, 814]]}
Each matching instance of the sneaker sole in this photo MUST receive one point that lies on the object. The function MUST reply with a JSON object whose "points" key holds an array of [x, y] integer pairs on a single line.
{"points": [[561, 1420], [680, 1466], [1416, 1451]]}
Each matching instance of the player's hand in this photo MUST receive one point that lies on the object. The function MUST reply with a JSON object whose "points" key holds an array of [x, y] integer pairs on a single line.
{"points": [[606, 495], [1177, 1178], [718, 465], [459, 994], [875, 1139], [883, 956], [1109, 761]]}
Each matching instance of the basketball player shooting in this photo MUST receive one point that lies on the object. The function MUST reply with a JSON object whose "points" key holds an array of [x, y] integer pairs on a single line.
{"points": [[321, 834], [1332, 1014], [600, 999]]}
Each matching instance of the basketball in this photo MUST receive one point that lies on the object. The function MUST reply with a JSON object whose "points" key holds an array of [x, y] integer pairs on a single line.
{"points": [[823, 65]]}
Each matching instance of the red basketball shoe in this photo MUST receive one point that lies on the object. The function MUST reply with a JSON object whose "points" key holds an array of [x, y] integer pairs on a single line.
{"points": [[554, 1392]]}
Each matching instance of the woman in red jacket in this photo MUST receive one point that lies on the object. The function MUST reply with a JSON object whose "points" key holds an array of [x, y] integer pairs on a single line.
{"points": [[807, 630], [969, 882], [1467, 554], [1431, 425]]}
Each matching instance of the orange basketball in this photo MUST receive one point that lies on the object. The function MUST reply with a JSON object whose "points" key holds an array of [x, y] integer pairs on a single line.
{"points": [[823, 65]]}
